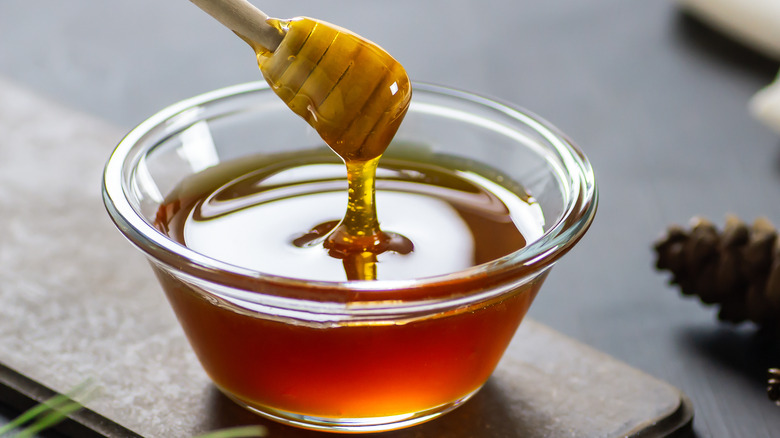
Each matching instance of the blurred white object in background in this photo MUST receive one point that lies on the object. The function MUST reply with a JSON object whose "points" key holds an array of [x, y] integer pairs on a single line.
{"points": [[755, 23], [765, 105]]}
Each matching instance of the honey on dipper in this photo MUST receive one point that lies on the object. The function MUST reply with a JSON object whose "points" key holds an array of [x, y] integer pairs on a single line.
{"points": [[355, 95], [446, 215]]}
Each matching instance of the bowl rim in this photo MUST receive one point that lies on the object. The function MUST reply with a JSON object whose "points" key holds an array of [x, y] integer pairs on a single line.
{"points": [[529, 261]]}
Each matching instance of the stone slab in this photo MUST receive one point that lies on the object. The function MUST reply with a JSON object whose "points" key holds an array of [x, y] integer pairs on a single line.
{"points": [[78, 302]]}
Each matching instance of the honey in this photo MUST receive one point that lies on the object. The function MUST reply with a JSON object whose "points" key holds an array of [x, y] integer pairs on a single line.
{"points": [[350, 90], [346, 372], [355, 95], [457, 218]]}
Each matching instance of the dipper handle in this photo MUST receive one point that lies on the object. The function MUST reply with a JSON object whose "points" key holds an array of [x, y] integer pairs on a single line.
{"points": [[245, 19]]}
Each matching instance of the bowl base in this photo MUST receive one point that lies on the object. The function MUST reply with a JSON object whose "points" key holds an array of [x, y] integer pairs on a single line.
{"points": [[350, 425]]}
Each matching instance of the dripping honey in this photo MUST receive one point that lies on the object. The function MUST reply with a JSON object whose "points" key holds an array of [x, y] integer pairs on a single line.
{"points": [[355, 95]]}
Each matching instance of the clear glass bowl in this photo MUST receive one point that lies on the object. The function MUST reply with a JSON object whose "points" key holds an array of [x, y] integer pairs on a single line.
{"points": [[351, 356]]}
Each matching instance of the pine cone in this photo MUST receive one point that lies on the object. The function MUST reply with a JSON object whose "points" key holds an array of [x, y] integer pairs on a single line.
{"points": [[773, 387], [737, 268]]}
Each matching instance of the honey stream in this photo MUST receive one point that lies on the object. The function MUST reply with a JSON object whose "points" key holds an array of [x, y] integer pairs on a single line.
{"points": [[355, 95]]}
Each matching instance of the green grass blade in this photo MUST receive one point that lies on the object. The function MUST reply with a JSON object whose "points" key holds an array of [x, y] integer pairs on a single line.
{"points": [[33, 412], [49, 412], [51, 419], [58, 408]]}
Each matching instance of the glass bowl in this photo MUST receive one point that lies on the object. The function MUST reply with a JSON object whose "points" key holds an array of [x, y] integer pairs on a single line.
{"points": [[349, 356]]}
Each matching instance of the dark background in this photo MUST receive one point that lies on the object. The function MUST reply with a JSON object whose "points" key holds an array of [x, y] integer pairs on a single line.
{"points": [[656, 99]]}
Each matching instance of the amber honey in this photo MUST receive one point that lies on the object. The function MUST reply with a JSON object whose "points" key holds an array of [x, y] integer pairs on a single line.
{"points": [[352, 369], [348, 88], [355, 95]]}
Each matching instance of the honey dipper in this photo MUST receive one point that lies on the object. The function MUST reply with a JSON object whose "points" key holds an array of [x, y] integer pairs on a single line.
{"points": [[346, 87], [352, 92]]}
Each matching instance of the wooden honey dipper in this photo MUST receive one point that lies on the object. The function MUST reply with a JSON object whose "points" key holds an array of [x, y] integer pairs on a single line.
{"points": [[351, 91], [348, 88]]}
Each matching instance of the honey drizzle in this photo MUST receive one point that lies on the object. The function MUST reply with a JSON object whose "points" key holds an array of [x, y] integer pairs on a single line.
{"points": [[360, 227], [355, 95]]}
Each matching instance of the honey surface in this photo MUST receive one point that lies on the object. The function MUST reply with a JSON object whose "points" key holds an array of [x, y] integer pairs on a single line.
{"points": [[273, 216]]}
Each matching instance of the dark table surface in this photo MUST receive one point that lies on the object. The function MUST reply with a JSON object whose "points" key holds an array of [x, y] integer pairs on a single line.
{"points": [[657, 100]]}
